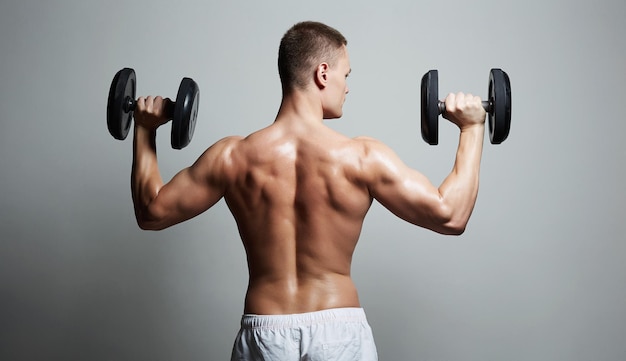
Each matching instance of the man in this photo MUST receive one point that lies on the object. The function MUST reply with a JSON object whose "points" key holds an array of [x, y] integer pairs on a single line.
{"points": [[299, 192]]}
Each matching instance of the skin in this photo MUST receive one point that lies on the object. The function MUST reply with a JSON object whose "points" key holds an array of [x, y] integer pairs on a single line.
{"points": [[299, 191]]}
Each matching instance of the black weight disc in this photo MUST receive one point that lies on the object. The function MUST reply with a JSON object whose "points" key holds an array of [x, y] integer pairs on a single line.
{"points": [[430, 109], [121, 92], [185, 113], [500, 97]]}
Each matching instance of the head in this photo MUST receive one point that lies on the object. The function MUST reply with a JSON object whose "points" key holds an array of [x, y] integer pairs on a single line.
{"points": [[312, 54]]}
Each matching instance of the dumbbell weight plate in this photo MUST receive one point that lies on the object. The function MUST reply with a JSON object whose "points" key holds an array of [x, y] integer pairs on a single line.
{"points": [[185, 113], [119, 116], [500, 97], [430, 110]]}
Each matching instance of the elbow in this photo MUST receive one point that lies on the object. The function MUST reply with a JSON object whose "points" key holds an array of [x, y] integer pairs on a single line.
{"points": [[149, 226], [143, 226], [454, 228], [146, 225], [149, 222], [449, 222]]}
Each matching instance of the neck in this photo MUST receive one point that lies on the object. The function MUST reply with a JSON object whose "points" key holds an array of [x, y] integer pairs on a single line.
{"points": [[300, 106]]}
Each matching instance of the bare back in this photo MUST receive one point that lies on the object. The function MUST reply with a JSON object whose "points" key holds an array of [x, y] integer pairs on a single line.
{"points": [[299, 206], [299, 191]]}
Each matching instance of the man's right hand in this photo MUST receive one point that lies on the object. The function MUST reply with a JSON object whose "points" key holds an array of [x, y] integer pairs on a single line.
{"points": [[464, 110], [150, 112]]}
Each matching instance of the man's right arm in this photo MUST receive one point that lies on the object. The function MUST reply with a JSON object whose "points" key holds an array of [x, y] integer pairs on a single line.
{"points": [[411, 196], [190, 192]]}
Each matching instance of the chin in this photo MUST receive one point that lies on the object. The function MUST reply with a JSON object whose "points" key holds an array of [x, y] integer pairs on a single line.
{"points": [[333, 115]]}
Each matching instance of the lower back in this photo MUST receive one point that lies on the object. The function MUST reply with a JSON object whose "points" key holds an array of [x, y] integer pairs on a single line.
{"points": [[300, 295]]}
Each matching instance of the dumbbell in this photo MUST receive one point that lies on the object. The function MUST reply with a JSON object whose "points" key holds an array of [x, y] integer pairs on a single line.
{"points": [[122, 103], [498, 106]]}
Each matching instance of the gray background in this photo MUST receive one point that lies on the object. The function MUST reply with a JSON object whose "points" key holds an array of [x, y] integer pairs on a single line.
{"points": [[540, 273]]}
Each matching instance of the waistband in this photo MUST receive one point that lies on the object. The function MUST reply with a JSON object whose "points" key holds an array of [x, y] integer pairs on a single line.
{"points": [[350, 314]]}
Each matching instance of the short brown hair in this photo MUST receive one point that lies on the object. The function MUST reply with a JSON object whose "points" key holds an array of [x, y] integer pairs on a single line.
{"points": [[303, 47]]}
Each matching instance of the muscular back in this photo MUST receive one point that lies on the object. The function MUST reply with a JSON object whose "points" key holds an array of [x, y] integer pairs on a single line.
{"points": [[299, 202], [299, 193]]}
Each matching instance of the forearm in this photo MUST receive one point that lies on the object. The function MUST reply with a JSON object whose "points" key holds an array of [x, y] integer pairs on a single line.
{"points": [[146, 179], [459, 190]]}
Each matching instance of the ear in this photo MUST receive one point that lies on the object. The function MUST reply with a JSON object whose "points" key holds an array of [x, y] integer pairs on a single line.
{"points": [[321, 75]]}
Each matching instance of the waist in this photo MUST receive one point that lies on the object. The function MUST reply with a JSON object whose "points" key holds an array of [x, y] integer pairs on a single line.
{"points": [[286, 296], [343, 315]]}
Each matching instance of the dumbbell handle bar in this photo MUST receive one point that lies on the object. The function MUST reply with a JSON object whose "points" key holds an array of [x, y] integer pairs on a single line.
{"points": [[487, 105], [130, 104]]}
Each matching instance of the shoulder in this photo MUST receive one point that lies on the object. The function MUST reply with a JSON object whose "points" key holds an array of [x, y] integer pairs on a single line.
{"points": [[222, 148], [378, 162], [229, 142], [218, 158], [371, 147], [369, 159]]}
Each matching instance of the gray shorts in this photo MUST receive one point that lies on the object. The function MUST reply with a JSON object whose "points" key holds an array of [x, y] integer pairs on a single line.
{"points": [[334, 334]]}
